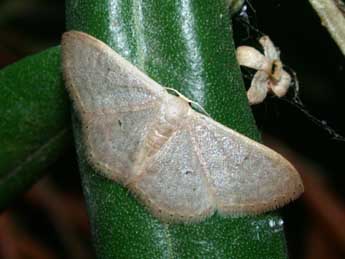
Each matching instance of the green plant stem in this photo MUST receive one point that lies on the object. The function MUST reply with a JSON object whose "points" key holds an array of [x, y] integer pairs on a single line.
{"points": [[34, 125], [186, 45]]}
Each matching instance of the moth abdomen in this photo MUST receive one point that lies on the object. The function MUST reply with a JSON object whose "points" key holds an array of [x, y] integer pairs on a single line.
{"points": [[155, 139]]}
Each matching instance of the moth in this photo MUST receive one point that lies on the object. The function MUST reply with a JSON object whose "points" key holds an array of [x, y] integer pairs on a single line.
{"points": [[182, 165]]}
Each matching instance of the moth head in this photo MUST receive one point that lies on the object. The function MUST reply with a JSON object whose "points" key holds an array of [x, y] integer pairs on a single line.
{"points": [[175, 109]]}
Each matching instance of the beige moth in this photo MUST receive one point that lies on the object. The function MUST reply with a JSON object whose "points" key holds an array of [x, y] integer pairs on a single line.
{"points": [[182, 165]]}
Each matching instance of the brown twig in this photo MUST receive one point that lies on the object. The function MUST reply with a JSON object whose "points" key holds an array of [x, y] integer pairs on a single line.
{"points": [[15, 243], [66, 213]]}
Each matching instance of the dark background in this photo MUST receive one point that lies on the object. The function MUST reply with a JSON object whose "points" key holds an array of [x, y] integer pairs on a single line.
{"points": [[36, 227]]}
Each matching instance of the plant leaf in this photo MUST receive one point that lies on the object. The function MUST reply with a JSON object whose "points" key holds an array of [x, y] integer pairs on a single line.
{"points": [[34, 114]]}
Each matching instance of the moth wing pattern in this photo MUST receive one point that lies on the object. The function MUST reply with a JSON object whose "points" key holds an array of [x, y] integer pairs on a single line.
{"points": [[110, 95], [246, 176], [173, 182]]}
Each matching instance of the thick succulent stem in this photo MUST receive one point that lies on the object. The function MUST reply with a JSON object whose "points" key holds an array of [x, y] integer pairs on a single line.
{"points": [[186, 45]]}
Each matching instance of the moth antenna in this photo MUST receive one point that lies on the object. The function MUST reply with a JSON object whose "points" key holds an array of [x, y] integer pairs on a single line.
{"points": [[188, 100], [200, 107]]}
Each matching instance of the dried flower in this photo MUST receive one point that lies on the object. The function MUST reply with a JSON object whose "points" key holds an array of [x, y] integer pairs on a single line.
{"points": [[270, 75]]}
